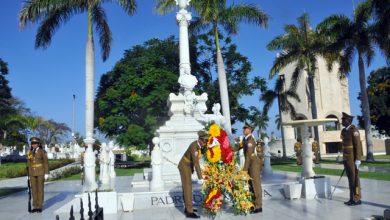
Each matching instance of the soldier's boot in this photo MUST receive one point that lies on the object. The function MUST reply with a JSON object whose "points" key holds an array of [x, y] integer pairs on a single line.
{"points": [[349, 202], [185, 210], [192, 215], [356, 203]]}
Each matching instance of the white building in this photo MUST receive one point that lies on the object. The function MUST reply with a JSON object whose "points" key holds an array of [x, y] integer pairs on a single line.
{"points": [[332, 98]]}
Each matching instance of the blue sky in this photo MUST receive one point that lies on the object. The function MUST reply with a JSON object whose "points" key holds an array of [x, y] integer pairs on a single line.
{"points": [[46, 79]]}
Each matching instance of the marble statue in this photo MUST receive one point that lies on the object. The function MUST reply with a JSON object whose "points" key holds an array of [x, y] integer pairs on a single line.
{"points": [[157, 182], [111, 159], [217, 117], [104, 164]]}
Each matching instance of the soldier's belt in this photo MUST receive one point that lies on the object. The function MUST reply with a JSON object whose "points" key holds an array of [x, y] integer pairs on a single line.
{"points": [[36, 165], [347, 147], [186, 159]]}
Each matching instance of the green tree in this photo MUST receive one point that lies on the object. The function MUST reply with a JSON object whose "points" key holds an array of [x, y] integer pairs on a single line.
{"points": [[215, 16], [238, 66], [131, 99], [378, 91], [259, 120], [53, 13], [52, 132], [6, 108], [301, 46], [351, 37], [284, 105]]}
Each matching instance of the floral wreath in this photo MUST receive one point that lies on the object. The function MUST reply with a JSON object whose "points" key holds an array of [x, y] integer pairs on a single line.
{"points": [[224, 181]]}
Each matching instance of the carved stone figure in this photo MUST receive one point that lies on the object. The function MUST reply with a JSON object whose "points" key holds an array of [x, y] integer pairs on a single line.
{"points": [[104, 163]]}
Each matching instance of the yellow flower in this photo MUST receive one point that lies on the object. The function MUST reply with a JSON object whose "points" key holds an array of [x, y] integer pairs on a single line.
{"points": [[215, 156], [214, 130]]}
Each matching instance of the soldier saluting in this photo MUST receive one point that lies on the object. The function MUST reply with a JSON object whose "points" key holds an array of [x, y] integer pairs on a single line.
{"points": [[186, 166], [352, 151], [38, 169]]}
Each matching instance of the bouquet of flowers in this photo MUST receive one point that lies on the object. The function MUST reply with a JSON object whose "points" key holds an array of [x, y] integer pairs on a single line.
{"points": [[223, 180]]}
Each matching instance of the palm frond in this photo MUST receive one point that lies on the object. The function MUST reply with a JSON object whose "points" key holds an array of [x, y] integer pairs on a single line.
{"points": [[248, 13], [103, 30], [130, 6], [52, 22], [36, 10], [165, 6], [296, 75], [282, 61]]}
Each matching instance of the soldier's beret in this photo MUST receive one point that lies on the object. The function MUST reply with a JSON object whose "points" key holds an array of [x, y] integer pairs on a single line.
{"points": [[248, 126], [203, 134], [35, 140], [345, 115]]}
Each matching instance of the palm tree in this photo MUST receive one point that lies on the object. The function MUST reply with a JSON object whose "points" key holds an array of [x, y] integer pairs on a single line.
{"points": [[380, 10], [53, 13], [278, 121], [212, 17], [302, 46], [284, 105], [258, 119], [351, 37]]}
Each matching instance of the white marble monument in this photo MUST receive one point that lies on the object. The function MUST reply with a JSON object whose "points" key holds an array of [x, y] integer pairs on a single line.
{"points": [[184, 108]]}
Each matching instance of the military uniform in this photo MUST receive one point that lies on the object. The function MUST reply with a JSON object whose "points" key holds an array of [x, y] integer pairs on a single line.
{"points": [[298, 152], [316, 152], [188, 162], [38, 166], [352, 151], [253, 166]]}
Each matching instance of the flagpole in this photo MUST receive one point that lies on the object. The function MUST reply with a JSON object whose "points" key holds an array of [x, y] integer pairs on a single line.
{"points": [[73, 117]]}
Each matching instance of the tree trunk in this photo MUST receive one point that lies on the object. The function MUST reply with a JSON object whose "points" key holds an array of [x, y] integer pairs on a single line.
{"points": [[281, 130], [89, 84], [223, 90], [313, 105], [366, 110]]}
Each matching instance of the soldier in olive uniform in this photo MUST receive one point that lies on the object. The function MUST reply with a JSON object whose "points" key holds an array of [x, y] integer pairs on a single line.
{"points": [[38, 169], [252, 165], [186, 166], [316, 151], [298, 152], [352, 151]]}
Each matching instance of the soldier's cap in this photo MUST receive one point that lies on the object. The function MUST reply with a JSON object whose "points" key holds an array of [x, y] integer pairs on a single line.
{"points": [[248, 126], [35, 140], [203, 135], [345, 115]]}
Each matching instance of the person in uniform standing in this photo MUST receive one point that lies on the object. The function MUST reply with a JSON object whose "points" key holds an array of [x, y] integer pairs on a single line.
{"points": [[38, 168], [352, 151], [188, 162], [253, 165]]}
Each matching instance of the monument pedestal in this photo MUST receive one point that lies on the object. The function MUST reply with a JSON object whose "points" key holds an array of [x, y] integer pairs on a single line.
{"points": [[318, 186], [178, 133]]}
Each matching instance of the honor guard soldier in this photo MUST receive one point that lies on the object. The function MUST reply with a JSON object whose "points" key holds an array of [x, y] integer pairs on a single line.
{"points": [[188, 162], [298, 152], [316, 151], [253, 165], [38, 168], [352, 151]]}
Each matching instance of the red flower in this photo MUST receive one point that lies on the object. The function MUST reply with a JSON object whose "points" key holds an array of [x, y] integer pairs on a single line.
{"points": [[226, 150]]}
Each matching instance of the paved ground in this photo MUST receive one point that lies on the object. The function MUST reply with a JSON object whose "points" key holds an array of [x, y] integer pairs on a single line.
{"points": [[376, 198]]}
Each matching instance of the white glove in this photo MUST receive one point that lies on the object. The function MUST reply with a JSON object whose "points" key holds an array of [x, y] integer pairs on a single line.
{"points": [[46, 177], [357, 163], [201, 181]]}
